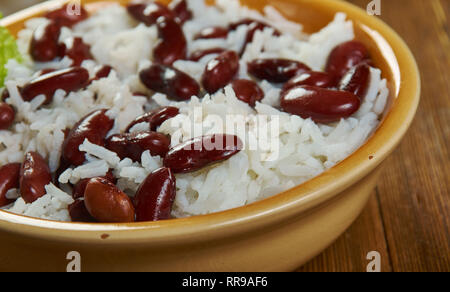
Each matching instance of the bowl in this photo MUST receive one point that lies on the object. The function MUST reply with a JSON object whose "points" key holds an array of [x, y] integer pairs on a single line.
{"points": [[277, 234]]}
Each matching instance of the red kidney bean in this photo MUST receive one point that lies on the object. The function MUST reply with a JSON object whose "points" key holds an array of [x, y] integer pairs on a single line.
{"points": [[312, 78], [247, 91], [80, 187], [155, 196], [7, 116], [356, 81], [68, 15], [276, 70], [5, 94], [69, 80], [216, 32], [220, 71], [44, 44], [245, 21], [34, 176], [175, 84], [155, 118], [46, 71], [149, 13], [9, 179], [79, 213], [132, 145], [106, 203], [346, 56], [63, 165], [253, 27], [199, 54], [94, 127], [103, 72], [200, 152], [78, 51], [181, 10], [173, 44], [140, 94], [319, 104]]}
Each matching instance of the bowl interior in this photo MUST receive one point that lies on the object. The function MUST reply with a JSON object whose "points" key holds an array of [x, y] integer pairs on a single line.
{"points": [[389, 53]]}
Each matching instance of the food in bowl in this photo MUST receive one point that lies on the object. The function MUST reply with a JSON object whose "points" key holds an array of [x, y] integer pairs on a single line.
{"points": [[150, 112]]}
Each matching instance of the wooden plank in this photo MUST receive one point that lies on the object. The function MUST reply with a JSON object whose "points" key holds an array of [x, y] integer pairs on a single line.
{"points": [[414, 189], [348, 253]]}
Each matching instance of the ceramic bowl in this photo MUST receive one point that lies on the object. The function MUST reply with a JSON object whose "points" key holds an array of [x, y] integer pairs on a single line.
{"points": [[277, 234]]}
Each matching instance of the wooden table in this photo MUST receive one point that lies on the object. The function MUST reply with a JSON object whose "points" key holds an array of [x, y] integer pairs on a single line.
{"points": [[408, 217]]}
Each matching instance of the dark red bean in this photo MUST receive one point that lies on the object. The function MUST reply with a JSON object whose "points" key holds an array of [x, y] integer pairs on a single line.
{"points": [[312, 78], [44, 44], [106, 203], [175, 84], [132, 145], [155, 118], [276, 70], [200, 152], [34, 176], [245, 21], [181, 10], [356, 81], [155, 196], [199, 54], [235, 25], [319, 104], [220, 71], [149, 13], [7, 115], [9, 179], [79, 213], [46, 71], [346, 56], [103, 72], [253, 27], [216, 32], [80, 187], [78, 51], [247, 91], [173, 44], [68, 15], [5, 94], [94, 127], [140, 94], [72, 79], [63, 165]]}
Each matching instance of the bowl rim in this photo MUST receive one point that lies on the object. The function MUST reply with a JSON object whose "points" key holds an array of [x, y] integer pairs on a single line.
{"points": [[268, 211]]}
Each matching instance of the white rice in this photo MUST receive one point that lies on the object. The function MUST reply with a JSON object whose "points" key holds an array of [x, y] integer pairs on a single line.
{"points": [[305, 149]]}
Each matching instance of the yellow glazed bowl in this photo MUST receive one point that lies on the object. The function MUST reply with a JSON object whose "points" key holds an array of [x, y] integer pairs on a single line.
{"points": [[277, 234]]}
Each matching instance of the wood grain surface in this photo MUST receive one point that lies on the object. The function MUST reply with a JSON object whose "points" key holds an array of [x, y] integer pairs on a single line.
{"points": [[407, 220]]}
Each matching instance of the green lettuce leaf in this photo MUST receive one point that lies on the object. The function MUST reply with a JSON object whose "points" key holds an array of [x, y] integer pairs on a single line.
{"points": [[8, 50]]}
